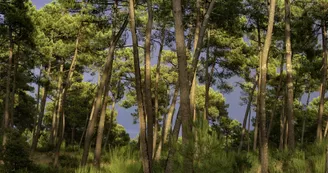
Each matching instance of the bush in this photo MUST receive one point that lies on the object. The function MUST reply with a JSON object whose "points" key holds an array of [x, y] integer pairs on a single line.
{"points": [[16, 154]]}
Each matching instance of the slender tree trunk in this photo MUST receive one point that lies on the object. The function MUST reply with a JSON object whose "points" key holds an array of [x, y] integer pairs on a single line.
{"points": [[13, 92], [264, 57], [273, 111], [62, 98], [304, 117], [100, 131], [143, 139], [286, 132], [248, 109], [110, 125], [248, 131], [41, 112], [6, 111], [184, 87], [85, 126], [158, 70], [105, 78], [148, 94], [207, 78], [256, 126], [323, 83], [193, 85], [282, 127], [73, 135], [168, 121], [290, 88], [172, 142]]}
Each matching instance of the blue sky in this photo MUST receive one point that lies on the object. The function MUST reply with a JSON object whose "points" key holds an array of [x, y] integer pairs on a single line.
{"points": [[236, 111]]}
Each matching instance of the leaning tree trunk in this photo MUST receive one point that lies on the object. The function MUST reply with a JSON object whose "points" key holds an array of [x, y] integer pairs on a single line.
{"points": [[264, 58], [290, 88], [158, 70], [6, 111], [148, 94], [105, 78], [168, 121], [143, 140], [323, 83], [110, 127], [41, 113], [62, 98], [248, 109], [101, 125], [172, 144]]}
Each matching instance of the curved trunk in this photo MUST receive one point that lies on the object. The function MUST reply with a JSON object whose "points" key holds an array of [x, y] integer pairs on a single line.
{"points": [[323, 83], [247, 112], [264, 58], [100, 131], [104, 79], [142, 123]]}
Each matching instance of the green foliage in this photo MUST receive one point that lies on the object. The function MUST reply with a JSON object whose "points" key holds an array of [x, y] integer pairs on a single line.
{"points": [[16, 153]]}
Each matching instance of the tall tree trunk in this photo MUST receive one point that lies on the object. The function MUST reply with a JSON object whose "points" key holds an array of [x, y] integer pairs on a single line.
{"points": [[13, 92], [248, 109], [282, 126], [323, 83], [105, 78], [273, 110], [290, 88], [148, 94], [207, 78], [101, 125], [196, 38], [62, 98], [142, 123], [53, 135], [110, 125], [172, 142], [256, 126], [304, 117], [248, 131], [6, 111], [184, 87], [158, 70], [41, 111], [168, 121], [264, 57]]}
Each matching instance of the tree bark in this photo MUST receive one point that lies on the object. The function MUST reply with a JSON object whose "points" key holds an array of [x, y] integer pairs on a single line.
{"points": [[172, 142], [168, 121], [290, 88], [193, 85], [184, 87], [105, 78], [100, 131], [158, 70], [207, 78], [282, 127], [142, 123], [264, 57], [273, 110], [148, 94], [62, 97], [248, 109], [41, 112], [323, 82], [6, 112], [110, 125]]}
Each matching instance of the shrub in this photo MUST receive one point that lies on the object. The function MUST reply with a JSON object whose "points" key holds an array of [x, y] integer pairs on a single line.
{"points": [[16, 153]]}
